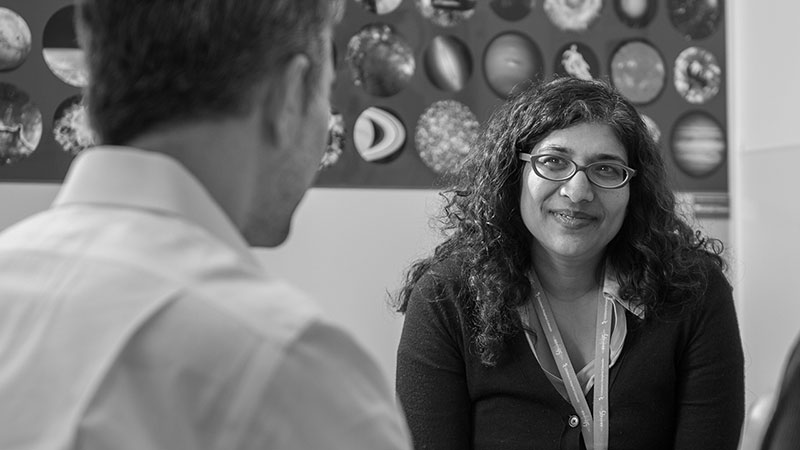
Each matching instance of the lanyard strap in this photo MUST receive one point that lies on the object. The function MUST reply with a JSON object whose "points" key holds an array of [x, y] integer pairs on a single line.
{"points": [[595, 432]]}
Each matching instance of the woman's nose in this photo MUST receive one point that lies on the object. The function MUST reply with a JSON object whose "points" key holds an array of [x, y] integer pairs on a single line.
{"points": [[578, 188]]}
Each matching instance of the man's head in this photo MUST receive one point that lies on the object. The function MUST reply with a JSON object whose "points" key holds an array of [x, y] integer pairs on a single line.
{"points": [[162, 65]]}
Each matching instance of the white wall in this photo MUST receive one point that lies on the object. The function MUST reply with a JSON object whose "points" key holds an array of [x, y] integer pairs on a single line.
{"points": [[764, 124]]}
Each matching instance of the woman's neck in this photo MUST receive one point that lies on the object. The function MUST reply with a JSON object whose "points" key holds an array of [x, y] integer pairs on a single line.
{"points": [[564, 279]]}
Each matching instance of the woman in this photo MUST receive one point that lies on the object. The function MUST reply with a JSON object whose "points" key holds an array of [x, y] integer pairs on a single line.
{"points": [[569, 307]]}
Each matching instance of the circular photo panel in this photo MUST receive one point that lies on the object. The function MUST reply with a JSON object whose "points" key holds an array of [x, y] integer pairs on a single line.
{"points": [[512, 10], [20, 125], [380, 60], [698, 144], [448, 63], [637, 71], [573, 15], [443, 136], [378, 135], [652, 127], [695, 19], [577, 60], [446, 13], [71, 127], [380, 6], [61, 52], [15, 40], [336, 140], [697, 75], [635, 13], [511, 62]]}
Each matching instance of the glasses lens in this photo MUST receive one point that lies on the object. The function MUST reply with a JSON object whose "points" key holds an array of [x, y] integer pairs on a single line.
{"points": [[553, 167], [607, 174]]}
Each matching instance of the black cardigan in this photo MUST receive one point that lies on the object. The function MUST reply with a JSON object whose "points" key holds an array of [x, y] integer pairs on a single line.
{"points": [[678, 384]]}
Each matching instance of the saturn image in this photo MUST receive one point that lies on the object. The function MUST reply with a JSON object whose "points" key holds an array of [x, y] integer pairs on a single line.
{"points": [[60, 48], [698, 144], [378, 134], [20, 125], [15, 40], [380, 60], [444, 134], [638, 72]]}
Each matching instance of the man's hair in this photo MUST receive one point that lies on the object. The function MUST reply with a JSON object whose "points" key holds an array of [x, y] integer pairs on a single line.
{"points": [[161, 62], [661, 263]]}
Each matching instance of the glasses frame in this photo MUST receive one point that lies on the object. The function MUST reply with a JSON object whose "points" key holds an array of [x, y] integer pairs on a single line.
{"points": [[529, 158]]}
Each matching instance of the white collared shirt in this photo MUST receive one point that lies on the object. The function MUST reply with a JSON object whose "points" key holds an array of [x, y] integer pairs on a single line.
{"points": [[541, 349], [133, 316]]}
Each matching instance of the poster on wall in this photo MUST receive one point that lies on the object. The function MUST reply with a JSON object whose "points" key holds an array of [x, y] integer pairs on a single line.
{"points": [[417, 78]]}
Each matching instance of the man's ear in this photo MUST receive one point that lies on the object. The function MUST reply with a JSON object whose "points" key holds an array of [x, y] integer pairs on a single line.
{"points": [[284, 105]]}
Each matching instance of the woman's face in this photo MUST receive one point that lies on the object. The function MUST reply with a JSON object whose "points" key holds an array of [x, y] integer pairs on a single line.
{"points": [[574, 219]]}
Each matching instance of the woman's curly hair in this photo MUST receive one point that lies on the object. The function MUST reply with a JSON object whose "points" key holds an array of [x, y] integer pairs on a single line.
{"points": [[661, 262]]}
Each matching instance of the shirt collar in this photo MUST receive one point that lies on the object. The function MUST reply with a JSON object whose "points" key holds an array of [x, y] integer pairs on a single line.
{"points": [[611, 288], [134, 178]]}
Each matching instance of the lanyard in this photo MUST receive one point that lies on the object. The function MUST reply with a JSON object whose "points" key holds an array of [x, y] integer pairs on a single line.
{"points": [[595, 432]]}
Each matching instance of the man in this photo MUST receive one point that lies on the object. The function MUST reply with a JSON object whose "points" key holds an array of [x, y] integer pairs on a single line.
{"points": [[132, 314], [783, 430]]}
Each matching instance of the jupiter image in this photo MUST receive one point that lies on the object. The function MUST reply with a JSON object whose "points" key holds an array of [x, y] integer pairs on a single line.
{"points": [[20, 125], [698, 144], [15, 40]]}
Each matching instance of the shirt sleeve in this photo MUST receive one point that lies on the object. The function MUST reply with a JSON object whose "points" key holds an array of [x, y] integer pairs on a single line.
{"points": [[711, 385], [431, 380], [329, 394]]}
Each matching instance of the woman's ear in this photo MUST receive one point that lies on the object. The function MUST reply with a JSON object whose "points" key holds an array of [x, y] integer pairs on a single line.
{"points": [[284, 103]]}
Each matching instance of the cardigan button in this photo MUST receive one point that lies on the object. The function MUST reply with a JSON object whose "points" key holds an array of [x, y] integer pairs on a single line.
{"points": [[573, 421]]}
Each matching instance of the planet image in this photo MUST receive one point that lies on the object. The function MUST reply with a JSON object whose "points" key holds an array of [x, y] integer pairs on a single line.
{"points": [[446, 13], [61, 52], [380, 60], [511, 62], [573, 15], [20, 125], [512, 10], [15, 40], [336, 140], [448, 63], [697, 75], [444, 134], [698, 144], [637, 71], [378, 134], [652, 127], [380, 6], [577, 60], [71, 127], [695, 19], [635, 13]]}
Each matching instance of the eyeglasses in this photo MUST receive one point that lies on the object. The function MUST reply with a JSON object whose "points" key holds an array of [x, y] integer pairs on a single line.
{"points": [[604, 174]]}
